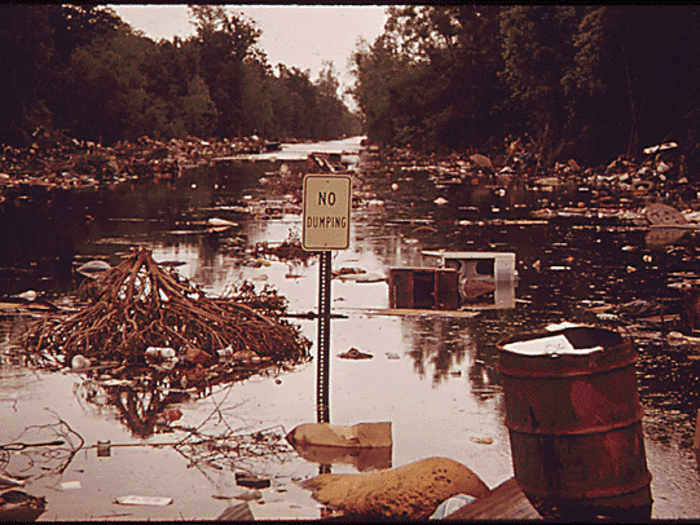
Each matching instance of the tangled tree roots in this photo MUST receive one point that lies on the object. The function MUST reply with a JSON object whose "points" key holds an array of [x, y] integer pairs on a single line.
{"points": [[138, 305]]}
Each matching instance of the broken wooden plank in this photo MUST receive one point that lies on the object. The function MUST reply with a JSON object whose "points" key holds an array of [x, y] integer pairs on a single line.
{"points": [[505, 502], [419, 312]]}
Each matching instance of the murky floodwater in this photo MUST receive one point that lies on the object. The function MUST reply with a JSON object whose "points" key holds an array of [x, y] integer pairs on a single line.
{"points": [[433, 377]]}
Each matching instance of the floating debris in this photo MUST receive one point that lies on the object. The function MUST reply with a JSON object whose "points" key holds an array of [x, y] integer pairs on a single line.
{"points": [[362, 435], [93, 269], [250, 481], [148, 323], [18, 506], [354, 353], [409, 492], [144, 501]]}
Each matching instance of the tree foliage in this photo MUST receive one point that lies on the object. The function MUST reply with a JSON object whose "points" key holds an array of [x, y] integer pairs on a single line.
{"points": [[82, 71], [590, 82]]}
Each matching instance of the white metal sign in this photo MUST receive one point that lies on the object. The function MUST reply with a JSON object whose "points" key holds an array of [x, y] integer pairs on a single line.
{"points": [[327, 204]]}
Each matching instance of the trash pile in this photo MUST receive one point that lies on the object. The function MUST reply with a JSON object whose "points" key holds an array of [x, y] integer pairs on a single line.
{"points": [[663, 173], [75, 164], [288, 250], [144, 321]]}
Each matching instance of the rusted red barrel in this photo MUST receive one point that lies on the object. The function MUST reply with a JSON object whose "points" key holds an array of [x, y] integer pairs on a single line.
{"points": [[574, 419]]}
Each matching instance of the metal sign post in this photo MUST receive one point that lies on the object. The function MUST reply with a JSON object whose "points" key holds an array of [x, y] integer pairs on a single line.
{"points": [[326, 227], [323, 338]]}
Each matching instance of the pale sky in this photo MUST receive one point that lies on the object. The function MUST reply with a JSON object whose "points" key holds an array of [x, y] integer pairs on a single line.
{"points": [[300, 36]]}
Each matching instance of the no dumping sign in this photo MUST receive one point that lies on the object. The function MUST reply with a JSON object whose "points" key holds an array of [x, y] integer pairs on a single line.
{"points": [[326, 206]]}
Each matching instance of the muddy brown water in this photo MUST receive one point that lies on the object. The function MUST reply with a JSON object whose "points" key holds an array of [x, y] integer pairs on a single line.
{"points": [[434, 377]]}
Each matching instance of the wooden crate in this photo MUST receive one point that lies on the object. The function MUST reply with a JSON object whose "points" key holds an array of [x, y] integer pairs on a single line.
{"points": [[423, 288]]}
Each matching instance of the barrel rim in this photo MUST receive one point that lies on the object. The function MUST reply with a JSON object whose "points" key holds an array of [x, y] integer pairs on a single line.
{"points": [[537, 334], [543, 366]]}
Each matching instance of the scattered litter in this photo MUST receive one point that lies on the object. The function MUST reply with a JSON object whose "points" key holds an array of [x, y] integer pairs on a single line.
{"points": [[104, 448], [250, 481], [18, 506], [481, 160], [249, 495], [450, 505], [29, 296], [561, 326], [93, 269], [677, 338], [161, 352], [481, 440], [221, 223], [144, 500], [71, 485], [639, 308], [661, 147], [79, 362], [354, 353]]}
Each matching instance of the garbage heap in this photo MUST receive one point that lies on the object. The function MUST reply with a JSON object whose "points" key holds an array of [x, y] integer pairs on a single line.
{"points": [[142, 320], [59, 163]]}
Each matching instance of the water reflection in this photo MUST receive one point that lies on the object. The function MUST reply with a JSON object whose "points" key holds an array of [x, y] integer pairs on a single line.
{"points": [[142, 407], [360, 458], [46, 233], [39, 452], [438, 344]]}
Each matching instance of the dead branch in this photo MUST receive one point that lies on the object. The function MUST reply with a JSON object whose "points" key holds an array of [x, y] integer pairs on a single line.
{"points": [[139, 304]]}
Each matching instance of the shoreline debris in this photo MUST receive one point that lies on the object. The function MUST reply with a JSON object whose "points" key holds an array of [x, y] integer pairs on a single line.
{"points": [[354, 353], [138, 305], [145, 324]]}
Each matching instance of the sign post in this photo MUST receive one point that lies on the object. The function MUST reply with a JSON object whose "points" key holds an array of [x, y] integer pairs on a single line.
{"points": [[326, 227]]}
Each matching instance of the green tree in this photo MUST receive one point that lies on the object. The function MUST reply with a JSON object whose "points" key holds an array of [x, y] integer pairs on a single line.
{"points": [[383, 78], [174, 83], [538, 52], [27, 50], [634, 82], [109, 99], [198, 109], [224, 42], [430, 78], [74, 26], [257, 92]]}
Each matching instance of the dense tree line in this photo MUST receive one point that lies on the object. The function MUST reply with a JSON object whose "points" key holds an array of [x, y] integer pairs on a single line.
{"points": [[80, 71], [589, 82]]}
